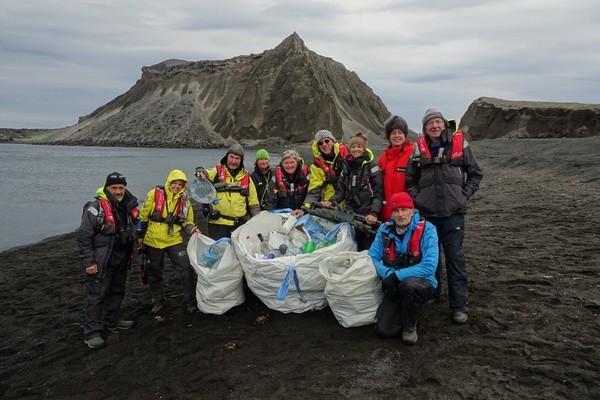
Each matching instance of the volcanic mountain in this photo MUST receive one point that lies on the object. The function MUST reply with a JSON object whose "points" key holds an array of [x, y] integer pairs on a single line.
{"points": [[280, 96]]}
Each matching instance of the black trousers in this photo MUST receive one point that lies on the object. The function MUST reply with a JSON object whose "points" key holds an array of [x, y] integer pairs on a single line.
{"points": [[401, 306], [104, 298], [179, 257], [451, 233], [218, 231]]}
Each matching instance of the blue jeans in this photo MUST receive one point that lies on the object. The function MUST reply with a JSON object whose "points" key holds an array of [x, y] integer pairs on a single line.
{"points": [[451, 233]]}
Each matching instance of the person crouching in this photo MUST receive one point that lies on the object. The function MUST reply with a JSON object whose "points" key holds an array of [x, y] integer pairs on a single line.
{"points": [[405, 255]]}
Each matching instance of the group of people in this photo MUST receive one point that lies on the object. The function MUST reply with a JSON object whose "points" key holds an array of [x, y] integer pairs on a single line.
{"points": [[414, 197]]}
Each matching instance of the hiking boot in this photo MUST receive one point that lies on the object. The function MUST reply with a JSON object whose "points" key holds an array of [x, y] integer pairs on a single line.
{"points": [[95, 342], [460, 317], [191, 309], [157, 308], [410, 337], [121, 324]]}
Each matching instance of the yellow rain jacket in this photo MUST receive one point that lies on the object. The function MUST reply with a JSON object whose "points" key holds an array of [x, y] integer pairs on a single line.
{"points": [[318, 188], [161, 234], [232, 202]]}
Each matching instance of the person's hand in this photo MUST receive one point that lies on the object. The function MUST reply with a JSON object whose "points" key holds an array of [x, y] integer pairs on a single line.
{"points": [[390, 283], [200, 173], [297, 213], [371, 219], [92, 269], [326, 203], [196, 230]]}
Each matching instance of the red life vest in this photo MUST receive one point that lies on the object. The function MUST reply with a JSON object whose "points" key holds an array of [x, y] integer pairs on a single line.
{"points": [[456, 156], [414, 246], [159, 204], [222, 177], [107, 217], [281, 179], [328, 169]]}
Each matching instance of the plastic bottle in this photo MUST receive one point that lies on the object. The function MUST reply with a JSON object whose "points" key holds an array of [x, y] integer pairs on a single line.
{"points": [[289, 224], [263, 243], [201, 191], [309, 247]]}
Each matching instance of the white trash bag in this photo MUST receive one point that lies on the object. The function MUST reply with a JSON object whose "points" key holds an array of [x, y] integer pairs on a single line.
{"points": [[220, 274], [353, 288], [289, 283]]}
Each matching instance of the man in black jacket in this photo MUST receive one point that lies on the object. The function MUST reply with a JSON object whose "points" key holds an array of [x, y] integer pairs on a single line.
{"points": [[107, 241], [441, 178]]}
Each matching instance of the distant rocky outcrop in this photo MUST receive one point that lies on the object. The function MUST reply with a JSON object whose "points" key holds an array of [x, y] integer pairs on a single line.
{"points": [[280, 96], [494, 118]]}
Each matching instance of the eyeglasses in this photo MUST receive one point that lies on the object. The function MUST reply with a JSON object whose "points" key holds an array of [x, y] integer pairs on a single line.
{"points": [[324, 141]]}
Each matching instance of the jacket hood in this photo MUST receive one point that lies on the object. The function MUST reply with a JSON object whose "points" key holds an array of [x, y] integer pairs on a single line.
{"points": [[175, 175], [100, 193], [317, 153]]}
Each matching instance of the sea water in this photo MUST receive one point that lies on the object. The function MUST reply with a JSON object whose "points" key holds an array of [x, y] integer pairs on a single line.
{"points": [[43, 188]]}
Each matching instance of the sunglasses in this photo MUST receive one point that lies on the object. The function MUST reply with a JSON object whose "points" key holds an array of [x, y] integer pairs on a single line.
{"points": [[324, 141]]}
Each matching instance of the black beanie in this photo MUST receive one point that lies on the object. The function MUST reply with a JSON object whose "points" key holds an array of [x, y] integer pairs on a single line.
{"points": [[115, 178]]}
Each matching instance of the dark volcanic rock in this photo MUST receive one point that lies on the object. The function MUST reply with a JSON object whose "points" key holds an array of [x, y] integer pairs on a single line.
{"points": [[495, 118], [280, 96]]}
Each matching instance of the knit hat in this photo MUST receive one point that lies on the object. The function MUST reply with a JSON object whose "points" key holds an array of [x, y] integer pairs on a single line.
{"points": [[322, 134], [115, 178], [395, 122], [401, 200], [262, 153], [358, 139], [290, 153], [236, 149], [431, 114]]}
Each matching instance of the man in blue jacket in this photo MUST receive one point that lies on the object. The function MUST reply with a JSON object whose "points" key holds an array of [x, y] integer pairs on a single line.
{"points": [[405, 254]]}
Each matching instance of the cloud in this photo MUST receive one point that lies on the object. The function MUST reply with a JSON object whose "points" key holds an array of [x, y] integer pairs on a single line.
{"points": [[61, 59]]}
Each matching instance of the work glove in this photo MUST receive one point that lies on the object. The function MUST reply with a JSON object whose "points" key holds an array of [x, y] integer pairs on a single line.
{"points": [[390, 284]]}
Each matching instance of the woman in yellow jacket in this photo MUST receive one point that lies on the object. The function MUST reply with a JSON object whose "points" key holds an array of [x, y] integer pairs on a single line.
{"points": [[165, 213]]}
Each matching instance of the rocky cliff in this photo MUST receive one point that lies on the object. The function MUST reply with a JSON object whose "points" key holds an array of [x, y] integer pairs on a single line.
{"points": [[280, 96], [495, 118]]}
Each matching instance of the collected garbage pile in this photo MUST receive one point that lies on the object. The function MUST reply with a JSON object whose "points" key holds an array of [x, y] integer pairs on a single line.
{"points": [[288, 262]]}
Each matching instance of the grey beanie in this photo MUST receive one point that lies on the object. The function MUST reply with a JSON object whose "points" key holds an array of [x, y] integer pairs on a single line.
{"points": [[322, 134], [236, 149], [290, 153], [395, 122], [431, 114]]}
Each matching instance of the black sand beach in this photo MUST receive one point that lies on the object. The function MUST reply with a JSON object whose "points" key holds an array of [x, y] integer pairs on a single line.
{"points": [[533, 256]]}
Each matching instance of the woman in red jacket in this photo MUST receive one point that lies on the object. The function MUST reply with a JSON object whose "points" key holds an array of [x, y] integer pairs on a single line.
{"points": [[394, 160]]}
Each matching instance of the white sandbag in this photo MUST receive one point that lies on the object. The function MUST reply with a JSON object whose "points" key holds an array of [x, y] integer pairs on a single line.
{"points": [[292, 283], [353, 288], [220, 284]]}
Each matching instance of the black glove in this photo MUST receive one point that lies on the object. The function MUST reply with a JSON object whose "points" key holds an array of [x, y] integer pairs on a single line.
{"points": [[390, 284]]}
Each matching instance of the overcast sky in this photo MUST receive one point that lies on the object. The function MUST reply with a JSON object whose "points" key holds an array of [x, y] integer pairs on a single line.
{"points": [[61, 59]]}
